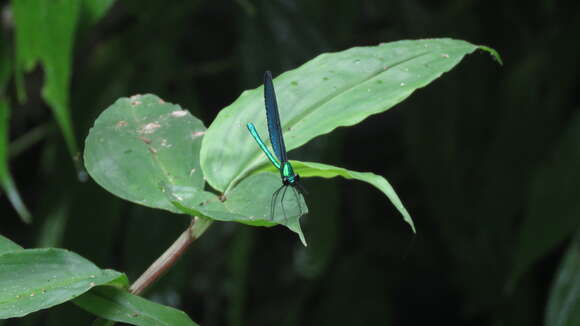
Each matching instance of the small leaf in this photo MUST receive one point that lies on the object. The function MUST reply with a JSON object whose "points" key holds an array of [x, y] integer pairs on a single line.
{"points": [[141, 145], [330, 91], [563, 306], [7, 245], [119, 305], [35, 279]]}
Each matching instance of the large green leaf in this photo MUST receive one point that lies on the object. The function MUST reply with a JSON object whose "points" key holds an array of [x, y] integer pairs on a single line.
{"points": [[552, 214], [312, 169], [35, 279], [116, 304], [332, 90], [141, 145], [563, 307], [6, 181], [45, 32]]}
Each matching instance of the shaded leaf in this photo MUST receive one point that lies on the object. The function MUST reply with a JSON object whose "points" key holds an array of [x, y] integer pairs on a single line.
{"points": [[552, 214], [141, 145], [35, 279], [330, 91], [563, 307], [45, 32], [116, 304]]}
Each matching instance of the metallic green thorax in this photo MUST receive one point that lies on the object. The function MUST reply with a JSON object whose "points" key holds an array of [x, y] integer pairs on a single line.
{"points": [[288, 175]]}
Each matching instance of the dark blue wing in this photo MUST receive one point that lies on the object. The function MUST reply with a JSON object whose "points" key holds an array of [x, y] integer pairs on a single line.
{"points": [[273, 116]]}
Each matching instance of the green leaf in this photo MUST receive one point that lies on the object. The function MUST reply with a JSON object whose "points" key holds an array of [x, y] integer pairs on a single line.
{"points": [[146, 151], [249, 203], [7, 245], [45, 32], [252, 198], [312, 169], [141, 145], [116, 304], [563, 306], [6, 181], [35, 279], [551, 216], [330, 91]]}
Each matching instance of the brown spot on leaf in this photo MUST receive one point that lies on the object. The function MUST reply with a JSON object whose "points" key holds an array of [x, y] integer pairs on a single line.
{"points": [[149, 128], [145, 140], [121, 123]]}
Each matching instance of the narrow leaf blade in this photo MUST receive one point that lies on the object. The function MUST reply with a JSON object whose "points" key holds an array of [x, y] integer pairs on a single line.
{"points": [[312, 169]]}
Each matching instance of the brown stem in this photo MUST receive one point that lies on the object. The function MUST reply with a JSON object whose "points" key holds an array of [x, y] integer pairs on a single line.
{"points": [[170, 256], [167, 260]]}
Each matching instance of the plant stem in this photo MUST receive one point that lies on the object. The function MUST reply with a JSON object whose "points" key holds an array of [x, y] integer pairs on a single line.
{"points": [[165, 261], [171, 255]]}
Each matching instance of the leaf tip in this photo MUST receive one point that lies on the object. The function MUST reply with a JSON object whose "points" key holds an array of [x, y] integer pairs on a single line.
{"points": [[294, 226], [495, 55]]}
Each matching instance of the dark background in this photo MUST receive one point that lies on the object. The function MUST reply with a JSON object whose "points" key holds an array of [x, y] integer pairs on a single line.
{"points": [[485, 159]]}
